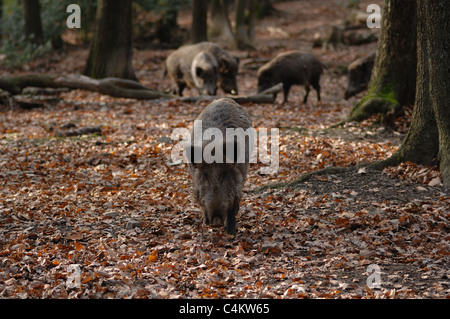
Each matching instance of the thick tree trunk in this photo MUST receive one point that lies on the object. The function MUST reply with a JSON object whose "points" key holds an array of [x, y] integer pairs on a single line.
{"points": [[436, 16], [421, 142], [428, 139], [393, 79], [33, 25], [199, 18], [111, 49]]}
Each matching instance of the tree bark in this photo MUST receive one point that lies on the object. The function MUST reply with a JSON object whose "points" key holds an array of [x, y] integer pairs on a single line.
{"points": [[33, 24], [251, 20], [421, 142], [111, 50], [167, 26], [199, 18], [428, 138], [220, 26], [393, 79], [435, 14], [1, 17], [242, 38]]}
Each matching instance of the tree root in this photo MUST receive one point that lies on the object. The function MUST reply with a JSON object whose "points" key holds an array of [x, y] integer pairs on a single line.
{"points": [[378, 166]]}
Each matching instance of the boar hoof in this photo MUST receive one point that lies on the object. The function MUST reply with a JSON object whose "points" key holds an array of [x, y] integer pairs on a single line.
{"points": [[230, 228]]}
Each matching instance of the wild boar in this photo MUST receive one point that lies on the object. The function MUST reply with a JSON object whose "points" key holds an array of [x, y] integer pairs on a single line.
{"points": [[178, 64], [291, 68], [359, 72], [218, 184], [199, 71]]}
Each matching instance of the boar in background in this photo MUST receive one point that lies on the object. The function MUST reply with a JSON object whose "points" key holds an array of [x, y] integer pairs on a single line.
{"points": [[291, 68]]}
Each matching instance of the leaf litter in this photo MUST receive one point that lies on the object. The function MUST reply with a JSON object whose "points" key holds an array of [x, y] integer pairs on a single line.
{"points": [[112, 203]]}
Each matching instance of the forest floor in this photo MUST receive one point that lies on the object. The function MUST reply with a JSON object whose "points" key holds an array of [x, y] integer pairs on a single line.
{"points": [[110, 215]]}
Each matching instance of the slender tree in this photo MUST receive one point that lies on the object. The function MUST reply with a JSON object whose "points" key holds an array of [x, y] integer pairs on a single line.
{"points": [[199, 18], [33, 24], [220, 26], [242, 38], [111, 50], [1, 17]]}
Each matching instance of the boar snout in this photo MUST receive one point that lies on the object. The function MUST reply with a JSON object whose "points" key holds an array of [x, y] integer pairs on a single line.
{"points": [[208, 90], [228, 86], [220, 217]]}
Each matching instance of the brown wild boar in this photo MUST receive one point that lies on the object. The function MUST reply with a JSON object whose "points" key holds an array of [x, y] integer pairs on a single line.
{"points": [[359, 72], [199, 72], [179, 62], [218, 184], [291, 68]]}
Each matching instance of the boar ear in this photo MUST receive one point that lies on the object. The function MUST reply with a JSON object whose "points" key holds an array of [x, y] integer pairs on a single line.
{"points": [[224, 65]]}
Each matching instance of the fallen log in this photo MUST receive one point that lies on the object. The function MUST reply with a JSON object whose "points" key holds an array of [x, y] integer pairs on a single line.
{"points": [[117, 87], [266, 96], [111, 86]]}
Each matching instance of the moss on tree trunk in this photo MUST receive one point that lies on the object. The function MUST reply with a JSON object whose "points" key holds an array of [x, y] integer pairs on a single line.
{"points": [[393, 79]]}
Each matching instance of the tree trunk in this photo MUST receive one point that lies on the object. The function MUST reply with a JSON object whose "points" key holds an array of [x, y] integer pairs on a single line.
{"points": [[220, 26], [111, 50], [1, 18], [428, 138], [242, 39], [251, 20], [421, 142], [33, 25], [435, 14], [199, 26], [167, 26], [265, 8], [393, 79]]}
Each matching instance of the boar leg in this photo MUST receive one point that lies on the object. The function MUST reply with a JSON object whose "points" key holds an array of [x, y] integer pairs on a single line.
{"points": [[230, 225], [286, 88], [307, 93], [180, 87], [205, 218], [316, 87]]}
